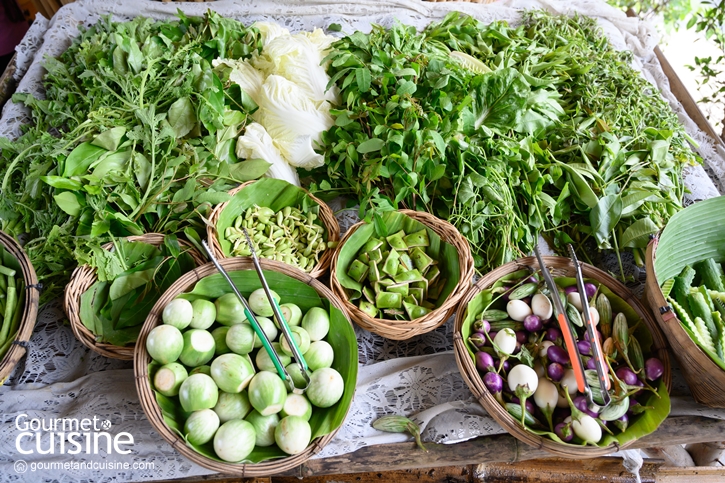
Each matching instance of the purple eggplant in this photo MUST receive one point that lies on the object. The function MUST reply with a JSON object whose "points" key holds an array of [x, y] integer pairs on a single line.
{"points": [[521, 337], [580, 402], [557, 354], [627, 376], [590, 289], [570, 289], [478, 340], [493, 382], [592, 364], [533, 323], [564, 431], [653, 368], [484, 362], [481, 326], [585, 347], [553, 334], [555, 371]]}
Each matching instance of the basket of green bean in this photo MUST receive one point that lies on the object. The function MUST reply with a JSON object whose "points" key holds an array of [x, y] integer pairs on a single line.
{"points": [[19, 291], [286, 223]]}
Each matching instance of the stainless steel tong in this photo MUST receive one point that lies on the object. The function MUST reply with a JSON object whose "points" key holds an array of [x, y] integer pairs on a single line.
{"points": [[266, 343]]}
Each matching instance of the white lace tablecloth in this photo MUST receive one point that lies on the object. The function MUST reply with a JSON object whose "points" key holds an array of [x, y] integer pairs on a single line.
{"points": [[60, 378]]}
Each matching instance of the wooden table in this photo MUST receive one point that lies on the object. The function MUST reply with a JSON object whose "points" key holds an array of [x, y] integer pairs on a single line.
{"points": [[402, 462]]}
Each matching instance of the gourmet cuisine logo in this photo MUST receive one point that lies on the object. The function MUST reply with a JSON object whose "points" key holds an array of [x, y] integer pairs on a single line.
{"points": [[69, 436]]}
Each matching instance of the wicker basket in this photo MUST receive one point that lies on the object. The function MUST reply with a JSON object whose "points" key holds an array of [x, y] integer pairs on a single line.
{"points": [[30, 307], [558, 266], [405, 329], [326, 216], [148, 399], [84, 276], [705, 378]]}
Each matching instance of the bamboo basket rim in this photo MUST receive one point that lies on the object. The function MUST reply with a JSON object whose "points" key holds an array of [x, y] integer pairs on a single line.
{"points": [[84, 276], [704, 377], [326, 215], [405, 329], [556, 265], [19, 346], [153, 410]]}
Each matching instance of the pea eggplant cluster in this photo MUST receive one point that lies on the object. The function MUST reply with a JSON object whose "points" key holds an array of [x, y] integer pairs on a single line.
{"points": [[520, 353]]}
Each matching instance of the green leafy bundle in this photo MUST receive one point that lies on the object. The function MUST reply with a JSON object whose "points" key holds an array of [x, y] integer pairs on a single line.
{"points": [[506, 132], [136, 134], [131, 278]]}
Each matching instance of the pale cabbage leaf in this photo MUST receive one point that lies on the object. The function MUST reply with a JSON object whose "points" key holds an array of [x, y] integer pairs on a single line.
{"points": [[256, 143]]}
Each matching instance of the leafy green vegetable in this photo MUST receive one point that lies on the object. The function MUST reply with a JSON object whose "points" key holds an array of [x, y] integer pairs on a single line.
{"points": [[131, 279], [135, 134], [508, 133]]}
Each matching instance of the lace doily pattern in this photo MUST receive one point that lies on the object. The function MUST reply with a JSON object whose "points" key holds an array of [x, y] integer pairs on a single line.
{"points": [[417, 378]]}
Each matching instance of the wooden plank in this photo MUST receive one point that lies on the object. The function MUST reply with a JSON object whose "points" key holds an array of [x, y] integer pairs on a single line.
{"points": [[451, 474], [698, 474], [707, 454], [558, 470], [673, 455], [683, 95], [498, 448], [686, 99]]}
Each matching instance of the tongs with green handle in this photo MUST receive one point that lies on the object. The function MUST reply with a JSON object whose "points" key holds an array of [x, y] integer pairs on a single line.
{"points": [[283, 326], [281, 371]]}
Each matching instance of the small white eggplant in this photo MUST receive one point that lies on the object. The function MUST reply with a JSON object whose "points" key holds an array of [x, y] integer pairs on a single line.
{"points": [[569, 381], [518, 310], [541, 306], [574, 299], [546, 398], [587, 428], [505, 340], [594, 314], [523, 379], [523, 382]]}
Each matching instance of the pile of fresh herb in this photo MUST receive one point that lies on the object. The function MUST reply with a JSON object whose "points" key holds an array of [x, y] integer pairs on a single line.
{"points": [[506, 132], [131, 278], [136, 134]]}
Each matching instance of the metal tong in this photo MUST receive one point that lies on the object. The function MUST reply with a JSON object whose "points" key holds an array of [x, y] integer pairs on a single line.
{"points": [[596, 347], [569, 334], [266, 343]]}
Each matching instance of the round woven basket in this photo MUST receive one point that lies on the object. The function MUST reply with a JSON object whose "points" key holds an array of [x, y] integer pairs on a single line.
{"points": [[559, 267], [84, 276], [705, 378], [148, 399], [405, 329], [326, 216], [29, 308]]}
